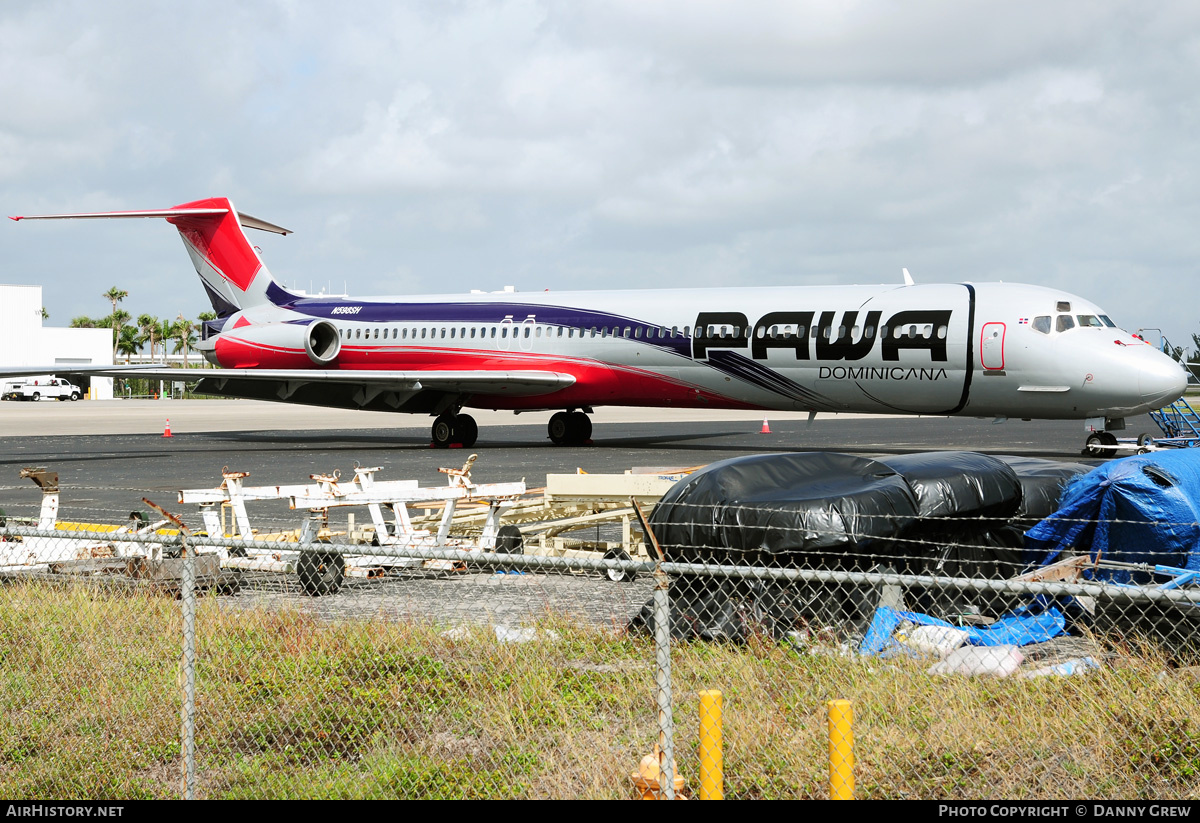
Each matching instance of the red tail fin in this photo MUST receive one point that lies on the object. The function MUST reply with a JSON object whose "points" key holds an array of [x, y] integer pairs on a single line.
{"points": [[229, 266]]}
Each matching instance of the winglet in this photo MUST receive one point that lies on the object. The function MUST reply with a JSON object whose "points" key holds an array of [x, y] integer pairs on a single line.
{"points": [[908, 281]]}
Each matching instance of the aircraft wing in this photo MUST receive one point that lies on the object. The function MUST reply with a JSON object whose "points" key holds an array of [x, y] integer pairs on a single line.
{"points": [[510, 383]]}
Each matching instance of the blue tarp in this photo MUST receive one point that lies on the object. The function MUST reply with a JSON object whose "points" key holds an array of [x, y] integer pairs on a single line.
{"points": [[1141, 509], [1017, 629]]}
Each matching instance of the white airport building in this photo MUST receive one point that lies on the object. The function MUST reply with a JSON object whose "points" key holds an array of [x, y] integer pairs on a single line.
{"points": [[24, 341]]}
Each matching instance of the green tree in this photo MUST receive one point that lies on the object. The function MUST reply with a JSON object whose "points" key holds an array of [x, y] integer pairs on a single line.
{"points": [[83, 322], [116, 296], [184, 331], [164, 334], [148, 325], [130, 342]]}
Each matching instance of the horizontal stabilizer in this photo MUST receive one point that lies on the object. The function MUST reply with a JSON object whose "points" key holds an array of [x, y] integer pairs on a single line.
{"points": [[246, 220]]}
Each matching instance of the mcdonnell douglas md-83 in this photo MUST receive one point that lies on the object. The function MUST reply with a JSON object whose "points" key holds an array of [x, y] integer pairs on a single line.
{"points": [[979, 349]]}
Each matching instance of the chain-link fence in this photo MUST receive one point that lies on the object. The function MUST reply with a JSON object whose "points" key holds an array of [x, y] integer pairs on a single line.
{"points": [[153, 663]]}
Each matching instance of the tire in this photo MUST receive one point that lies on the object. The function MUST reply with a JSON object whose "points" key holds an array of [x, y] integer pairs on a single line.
{"points": [[509, 540], [1145, 440], [60, 398], [583, 427], [74, 396], [466, 430], [1094, 446], [619, 575], [442, 432], [321, 573], [560, 429], [35, 396]]}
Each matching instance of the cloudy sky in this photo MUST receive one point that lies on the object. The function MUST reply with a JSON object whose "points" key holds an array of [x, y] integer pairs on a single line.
{"points": [[444, 146]]}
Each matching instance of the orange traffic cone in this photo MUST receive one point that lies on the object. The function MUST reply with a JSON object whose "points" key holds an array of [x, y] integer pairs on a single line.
{"points": [[765, 429], [167, 430]]}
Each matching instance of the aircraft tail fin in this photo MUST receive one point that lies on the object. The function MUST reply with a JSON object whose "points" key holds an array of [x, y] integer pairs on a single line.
{"points": [[213, 232]]}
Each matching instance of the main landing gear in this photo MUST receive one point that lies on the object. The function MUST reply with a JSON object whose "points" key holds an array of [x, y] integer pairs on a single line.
{"points": [[454, 430], [570, 428]]}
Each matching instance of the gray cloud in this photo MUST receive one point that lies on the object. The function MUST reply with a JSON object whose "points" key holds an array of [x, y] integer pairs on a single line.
{"points": [[435, 146]]}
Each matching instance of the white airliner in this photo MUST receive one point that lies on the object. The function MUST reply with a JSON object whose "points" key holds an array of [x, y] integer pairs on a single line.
{"points": [[973, 349]]}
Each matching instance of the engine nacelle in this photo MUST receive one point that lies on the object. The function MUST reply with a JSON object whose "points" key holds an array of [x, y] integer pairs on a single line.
{"points": [[278, 345]]}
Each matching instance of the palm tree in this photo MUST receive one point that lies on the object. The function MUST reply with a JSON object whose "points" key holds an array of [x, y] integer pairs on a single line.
{"points": [[184, 331], [116, 296], [153, 329], [165, 332], [148, 325], [83, 322], [117, 321], [130, 342]]}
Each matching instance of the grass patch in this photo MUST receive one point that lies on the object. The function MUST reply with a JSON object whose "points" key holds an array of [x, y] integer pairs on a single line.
{"points": [[291, 707]]}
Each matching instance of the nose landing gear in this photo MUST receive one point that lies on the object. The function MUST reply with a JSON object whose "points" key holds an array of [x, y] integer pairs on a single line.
{"points": [[1100, 444]]}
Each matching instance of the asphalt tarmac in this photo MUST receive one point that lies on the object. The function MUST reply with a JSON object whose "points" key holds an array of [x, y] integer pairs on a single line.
{"points": [[105, 474]]}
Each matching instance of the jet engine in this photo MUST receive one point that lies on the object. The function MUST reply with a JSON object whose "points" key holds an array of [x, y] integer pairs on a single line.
{"points": [[278, 345]]}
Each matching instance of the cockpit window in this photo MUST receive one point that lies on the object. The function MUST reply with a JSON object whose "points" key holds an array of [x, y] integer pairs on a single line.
{"points": [[1108, 322], [1088, 321], [1065, 322], [1063, 306], [1042, 324]]}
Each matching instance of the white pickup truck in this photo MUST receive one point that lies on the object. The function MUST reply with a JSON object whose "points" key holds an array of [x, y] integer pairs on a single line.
{"points": [[32, 390]]}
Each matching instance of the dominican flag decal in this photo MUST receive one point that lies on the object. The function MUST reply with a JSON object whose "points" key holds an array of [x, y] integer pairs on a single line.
{"points": [[1023, 321]]}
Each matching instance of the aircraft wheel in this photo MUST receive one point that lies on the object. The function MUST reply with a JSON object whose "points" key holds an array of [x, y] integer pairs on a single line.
{"points": [[560, 429], [442, 432], [1099, 444], [582, 427], [320, 572], [619, 575], [466, 430]]}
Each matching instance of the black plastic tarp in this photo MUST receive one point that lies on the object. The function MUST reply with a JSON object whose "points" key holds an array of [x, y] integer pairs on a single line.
{"points": [[959, 484], [942, 513], [1042, 484], [790, 509]]}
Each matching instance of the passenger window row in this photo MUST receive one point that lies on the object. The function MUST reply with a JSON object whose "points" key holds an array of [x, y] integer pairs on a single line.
{"points": [[511, 330], [527, 330]]}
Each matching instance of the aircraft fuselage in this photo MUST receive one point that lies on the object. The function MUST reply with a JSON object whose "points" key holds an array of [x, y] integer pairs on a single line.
{"points": [[940, 349]]}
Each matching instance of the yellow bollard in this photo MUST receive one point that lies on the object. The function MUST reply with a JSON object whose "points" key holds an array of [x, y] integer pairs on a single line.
{"points": [[841, 750], [712, 766]]}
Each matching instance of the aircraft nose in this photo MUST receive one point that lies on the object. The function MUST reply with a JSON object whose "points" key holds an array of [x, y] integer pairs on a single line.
{"points": [[1161, 380]]}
